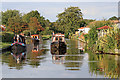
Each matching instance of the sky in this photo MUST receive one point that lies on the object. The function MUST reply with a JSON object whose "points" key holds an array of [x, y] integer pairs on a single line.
{"points": [[59, 0], [90, 10]]}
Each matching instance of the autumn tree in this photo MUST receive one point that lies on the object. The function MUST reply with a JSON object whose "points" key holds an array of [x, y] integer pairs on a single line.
{"points": [[34, 25], [41, 19], [14, 24]]}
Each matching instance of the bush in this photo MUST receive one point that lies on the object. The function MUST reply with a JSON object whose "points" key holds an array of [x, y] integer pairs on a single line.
{"points": [[7, 37], [93, 33], [26, 32], [86, 37]]}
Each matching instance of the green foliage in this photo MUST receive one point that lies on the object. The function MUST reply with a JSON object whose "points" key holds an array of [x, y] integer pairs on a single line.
{"points": [[9, 14], [26, 32], [14, 24], [7, 37], [46, 31], [87, 21], [86, 37], [114, 18], [41, 19], [118, 39], [93, 33], [32, 21], [13, 21], [109, 42], [44, 37], [92, 37], [5, 44], [70, 20]]}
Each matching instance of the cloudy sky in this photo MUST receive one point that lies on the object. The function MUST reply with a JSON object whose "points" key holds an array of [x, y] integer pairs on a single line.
{"points": [[90, 10]]}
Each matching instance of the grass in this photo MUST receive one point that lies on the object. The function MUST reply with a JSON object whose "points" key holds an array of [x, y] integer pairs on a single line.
{"points": [[46, 37], [4, 44]]}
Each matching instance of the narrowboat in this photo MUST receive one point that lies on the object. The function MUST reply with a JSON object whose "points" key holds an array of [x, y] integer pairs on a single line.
{"points": [[58, 45], [19, 43], [35, 38]]}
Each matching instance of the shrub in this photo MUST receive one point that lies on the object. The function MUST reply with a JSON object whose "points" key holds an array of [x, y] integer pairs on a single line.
{"points": [[7, 37]]}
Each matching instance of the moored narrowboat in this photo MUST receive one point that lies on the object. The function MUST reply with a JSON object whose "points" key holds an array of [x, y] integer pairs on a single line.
{"points": [[58, 45], [19, 43]]}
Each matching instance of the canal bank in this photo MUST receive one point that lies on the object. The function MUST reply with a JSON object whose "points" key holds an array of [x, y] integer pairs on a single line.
{"points": [[46, 37]]}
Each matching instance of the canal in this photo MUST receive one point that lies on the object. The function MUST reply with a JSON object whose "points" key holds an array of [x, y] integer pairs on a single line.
{"points": [[40, 63]]}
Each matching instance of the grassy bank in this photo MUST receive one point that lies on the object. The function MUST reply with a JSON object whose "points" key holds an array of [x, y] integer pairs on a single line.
{"points": [[4, 44], [6, 39], [45, 37]]}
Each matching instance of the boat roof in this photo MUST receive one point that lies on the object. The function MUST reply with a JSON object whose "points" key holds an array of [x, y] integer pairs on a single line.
{"points": [[35, 35], [59, 34]]}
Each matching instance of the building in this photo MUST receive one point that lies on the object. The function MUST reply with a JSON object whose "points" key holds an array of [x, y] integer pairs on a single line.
{"points": [[84, 30], [3, 27], [81, 32], [103, 31]]}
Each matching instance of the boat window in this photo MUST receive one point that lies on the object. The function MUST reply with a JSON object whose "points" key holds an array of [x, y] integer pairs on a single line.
{"points": [[63, 38], [53, 38], [56, 38], [60, 38]]}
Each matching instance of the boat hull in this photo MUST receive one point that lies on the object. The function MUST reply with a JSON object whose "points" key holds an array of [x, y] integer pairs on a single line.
{"points": [[58, 48], [18, 47], [35, 41]]}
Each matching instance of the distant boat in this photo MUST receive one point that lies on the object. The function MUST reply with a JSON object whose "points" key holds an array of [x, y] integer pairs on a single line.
{"points": [[58, 45], [35, 38]]}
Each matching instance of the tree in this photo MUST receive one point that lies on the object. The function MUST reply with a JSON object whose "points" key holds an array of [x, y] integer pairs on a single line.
{"points": [[34, 25], [69, 20], [41, 19], [14, 24], [87, 21], [9, 14], [93, 34], [113, 18]]}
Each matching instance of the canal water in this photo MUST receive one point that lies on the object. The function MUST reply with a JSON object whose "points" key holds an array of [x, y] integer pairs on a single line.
{"points": [[38, 62]]}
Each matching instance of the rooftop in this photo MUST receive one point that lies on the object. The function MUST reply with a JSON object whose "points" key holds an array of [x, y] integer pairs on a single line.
{"points": [[104, 27], [84, 27]]}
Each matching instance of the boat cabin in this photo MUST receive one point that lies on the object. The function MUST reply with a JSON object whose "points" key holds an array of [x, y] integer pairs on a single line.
{"points": [[19, 39], [58, 37], [58, 45], [35, 36]]}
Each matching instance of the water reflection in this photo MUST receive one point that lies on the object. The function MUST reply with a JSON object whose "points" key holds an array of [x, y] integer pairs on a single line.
{"points": [[107, 65], [19, 57], [39, 60], [14, 60], [32, 55], [35, 56], [58, 54], [72, 59]]}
